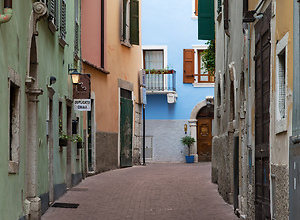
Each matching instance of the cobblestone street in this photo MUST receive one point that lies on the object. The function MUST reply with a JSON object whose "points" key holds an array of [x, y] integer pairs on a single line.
{"points": [[155, 191]]}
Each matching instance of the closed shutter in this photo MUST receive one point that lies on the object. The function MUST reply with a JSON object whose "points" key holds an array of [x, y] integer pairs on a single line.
{"points": [[206, 21], [134, 22], [52, 7], [124, 19], [63, 24], [188, 65]]}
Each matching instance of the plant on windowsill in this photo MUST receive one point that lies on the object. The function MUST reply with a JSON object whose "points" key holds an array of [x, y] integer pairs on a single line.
{"points": [[208, 57], [77, 139], [63, 137], [166, 70], [188, 141]]}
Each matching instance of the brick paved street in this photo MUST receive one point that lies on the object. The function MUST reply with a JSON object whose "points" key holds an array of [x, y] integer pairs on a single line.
{"points": [[152, 192]]}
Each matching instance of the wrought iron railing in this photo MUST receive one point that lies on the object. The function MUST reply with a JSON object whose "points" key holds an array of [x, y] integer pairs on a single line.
{"points": [[160, 80]]}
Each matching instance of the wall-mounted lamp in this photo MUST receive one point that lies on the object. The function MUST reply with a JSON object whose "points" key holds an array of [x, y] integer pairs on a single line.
{"points": [[75, 75], [52, 80]]}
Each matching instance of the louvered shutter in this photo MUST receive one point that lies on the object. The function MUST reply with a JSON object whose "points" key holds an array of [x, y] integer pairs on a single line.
{"points": [[124, 19], [188, 66], [134, 22], [63, 24], [52, 7], [206, 21], [76, 41]]}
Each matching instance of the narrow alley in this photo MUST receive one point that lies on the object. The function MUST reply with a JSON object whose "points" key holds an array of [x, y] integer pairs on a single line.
{"points": [[156, 191]]}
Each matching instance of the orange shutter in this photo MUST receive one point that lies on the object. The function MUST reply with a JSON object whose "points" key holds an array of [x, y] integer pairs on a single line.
{"points": [[188, 66], [196, 7]]}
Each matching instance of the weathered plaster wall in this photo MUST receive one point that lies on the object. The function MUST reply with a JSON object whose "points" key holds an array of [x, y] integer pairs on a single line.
{"points": [[138, 135], [106, 151]]}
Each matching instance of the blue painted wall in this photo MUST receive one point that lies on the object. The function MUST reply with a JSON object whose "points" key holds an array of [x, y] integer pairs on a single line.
{"points": [[169, 22]]}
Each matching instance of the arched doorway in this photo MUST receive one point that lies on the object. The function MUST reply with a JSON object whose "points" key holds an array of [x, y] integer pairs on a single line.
{"points": [[204, 132]]}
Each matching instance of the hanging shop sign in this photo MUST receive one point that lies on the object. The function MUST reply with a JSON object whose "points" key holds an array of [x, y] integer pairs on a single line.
{"points": [[82, 90], [82, 104]]}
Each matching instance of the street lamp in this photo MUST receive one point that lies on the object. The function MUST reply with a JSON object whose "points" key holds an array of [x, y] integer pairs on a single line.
{"points": [[75, 75]]}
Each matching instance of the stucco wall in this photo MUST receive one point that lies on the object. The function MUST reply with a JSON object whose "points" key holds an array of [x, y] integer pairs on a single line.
{"points": [[166, 140]]}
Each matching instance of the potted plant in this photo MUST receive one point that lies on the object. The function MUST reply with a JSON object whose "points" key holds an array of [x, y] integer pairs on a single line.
{"points": [[188, 141], [77, 139], [63, 137]]}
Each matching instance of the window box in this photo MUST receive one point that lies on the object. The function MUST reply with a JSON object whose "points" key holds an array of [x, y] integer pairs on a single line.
{"points": [[63, 142]]}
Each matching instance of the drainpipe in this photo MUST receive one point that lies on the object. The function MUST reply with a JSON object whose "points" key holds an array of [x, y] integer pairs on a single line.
{"points": [[7, 12]]}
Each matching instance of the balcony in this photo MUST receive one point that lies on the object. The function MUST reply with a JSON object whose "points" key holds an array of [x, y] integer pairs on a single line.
{"points": [[160, 81]]}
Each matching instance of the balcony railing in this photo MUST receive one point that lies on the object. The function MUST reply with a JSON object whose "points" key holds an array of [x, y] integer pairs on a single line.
{"points": [[160, 80]]}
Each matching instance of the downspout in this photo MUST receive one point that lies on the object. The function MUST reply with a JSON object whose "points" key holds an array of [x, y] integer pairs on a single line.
{"points": [[7, 12]]}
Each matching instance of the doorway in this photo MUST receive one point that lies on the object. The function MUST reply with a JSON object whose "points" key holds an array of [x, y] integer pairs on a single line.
{"points": [[204, 133]]}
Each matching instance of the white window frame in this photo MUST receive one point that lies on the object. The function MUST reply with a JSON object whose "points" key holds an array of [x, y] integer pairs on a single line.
{"points": [[164, 48], [196, 50], [281, 122], [126, 41]]}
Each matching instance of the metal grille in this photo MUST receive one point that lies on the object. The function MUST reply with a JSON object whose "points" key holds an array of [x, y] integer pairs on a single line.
{"points": [[281, 84], [63, 25]]}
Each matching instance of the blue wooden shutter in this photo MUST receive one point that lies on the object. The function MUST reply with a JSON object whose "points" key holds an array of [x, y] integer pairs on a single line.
{"points": [[134, 22], [206, 21]]}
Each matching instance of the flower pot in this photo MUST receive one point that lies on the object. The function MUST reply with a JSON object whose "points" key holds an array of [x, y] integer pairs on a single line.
{"points": [[189, 159], [63, 142]]}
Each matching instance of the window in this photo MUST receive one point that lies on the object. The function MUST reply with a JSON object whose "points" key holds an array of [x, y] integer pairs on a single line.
{"points": [[153, 59], [130, 27], [281, 85], [14, 122], [193, 70]]}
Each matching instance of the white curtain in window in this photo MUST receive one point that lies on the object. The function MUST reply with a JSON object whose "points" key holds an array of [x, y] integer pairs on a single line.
{"points": [[154, 59]]}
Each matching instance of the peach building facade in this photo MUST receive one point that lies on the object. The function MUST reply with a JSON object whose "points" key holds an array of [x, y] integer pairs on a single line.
{"points": [[112, 56]]}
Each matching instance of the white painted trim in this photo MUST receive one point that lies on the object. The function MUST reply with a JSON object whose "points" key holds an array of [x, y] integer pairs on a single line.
{"points": [[156, 47], [203, 85]]}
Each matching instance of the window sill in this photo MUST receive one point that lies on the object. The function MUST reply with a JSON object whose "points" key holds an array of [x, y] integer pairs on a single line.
{"points": [[126, 44], [153, 92], [13, 167], [280, 126], [194, 17], [201, 85]]}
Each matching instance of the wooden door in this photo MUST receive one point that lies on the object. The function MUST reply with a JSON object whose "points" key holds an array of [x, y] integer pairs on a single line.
{"points": [[204, 139], [126, 125], [262, 116]]}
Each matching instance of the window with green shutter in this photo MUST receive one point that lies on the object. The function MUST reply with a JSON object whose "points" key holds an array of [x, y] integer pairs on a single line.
{"points": [[134, 22], [206, 21], [130, 26], [52, 7], [63, 24]]}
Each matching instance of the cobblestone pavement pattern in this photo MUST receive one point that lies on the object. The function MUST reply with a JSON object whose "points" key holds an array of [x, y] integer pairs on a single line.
{"points": [[152, 192]]}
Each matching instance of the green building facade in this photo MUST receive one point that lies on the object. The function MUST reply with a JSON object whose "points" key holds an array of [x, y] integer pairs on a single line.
{"points": [[39, 41]]}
